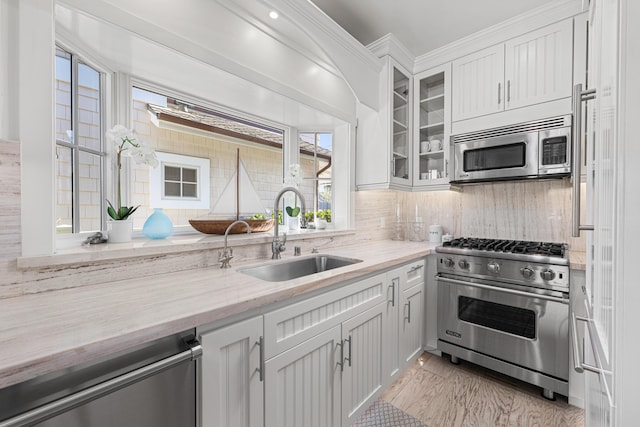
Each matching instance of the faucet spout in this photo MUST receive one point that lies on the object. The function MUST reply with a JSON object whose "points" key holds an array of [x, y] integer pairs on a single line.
{"points": [[226, 255], [277, 246]]}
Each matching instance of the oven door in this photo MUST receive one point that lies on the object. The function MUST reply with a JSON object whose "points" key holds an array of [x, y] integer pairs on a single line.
{"points": [[512, 156], [507, 323]]}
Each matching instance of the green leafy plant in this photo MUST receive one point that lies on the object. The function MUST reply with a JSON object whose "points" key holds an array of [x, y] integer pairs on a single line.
{"points": [[308, 216], [324, 214], [293, 212], [140, 152]]}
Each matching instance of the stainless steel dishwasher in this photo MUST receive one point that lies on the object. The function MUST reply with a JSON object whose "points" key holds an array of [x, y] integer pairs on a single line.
{"points": [[150, 385]]}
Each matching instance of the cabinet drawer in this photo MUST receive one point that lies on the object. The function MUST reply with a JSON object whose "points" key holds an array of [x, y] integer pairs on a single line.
{"points": [[291, 325], [413, 274]]}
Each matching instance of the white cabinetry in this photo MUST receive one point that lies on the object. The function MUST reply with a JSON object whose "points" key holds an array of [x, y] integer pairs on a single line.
{"points": [[531, 69], [333, 341], [305, 383], [411, 314], [477, 87], [432, 95], [325, 359], [404, 327], [384, 147], [363, 344], [232, 387], [400, 125]]}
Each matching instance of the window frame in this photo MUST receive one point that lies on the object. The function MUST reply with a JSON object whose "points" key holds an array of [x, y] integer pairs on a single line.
{"points": [[316, 190], [78, 58], [157, 198]]}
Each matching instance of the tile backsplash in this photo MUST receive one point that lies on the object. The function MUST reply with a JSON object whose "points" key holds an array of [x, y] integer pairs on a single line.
{"points": [[524, 210]]}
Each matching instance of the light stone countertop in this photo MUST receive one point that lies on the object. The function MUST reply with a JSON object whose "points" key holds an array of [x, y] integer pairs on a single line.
{"points": [[45, 332]]}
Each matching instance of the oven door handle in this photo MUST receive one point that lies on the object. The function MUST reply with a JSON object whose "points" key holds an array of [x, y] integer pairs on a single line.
{"points": [[504, 290]]}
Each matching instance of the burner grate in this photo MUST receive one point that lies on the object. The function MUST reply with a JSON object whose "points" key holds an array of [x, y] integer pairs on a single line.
{"points": [[508, 246]]}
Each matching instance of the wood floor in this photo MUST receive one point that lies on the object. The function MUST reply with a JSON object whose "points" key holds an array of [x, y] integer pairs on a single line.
{"points": [[441, 394]]}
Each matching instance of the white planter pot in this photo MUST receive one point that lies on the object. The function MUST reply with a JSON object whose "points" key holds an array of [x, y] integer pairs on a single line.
{"points": [[119, 231], [293, 222]]}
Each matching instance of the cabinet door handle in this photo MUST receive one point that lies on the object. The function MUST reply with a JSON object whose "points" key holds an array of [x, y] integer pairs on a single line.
{"points": [[408, 306], [508, 90], [579, 96], [499, 92], [348, 358], [260, 343], [341, 362], [393, 292], [415, 267]]}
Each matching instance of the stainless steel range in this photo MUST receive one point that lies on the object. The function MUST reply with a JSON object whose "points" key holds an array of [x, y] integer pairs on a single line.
{"points": [[504, 304]]}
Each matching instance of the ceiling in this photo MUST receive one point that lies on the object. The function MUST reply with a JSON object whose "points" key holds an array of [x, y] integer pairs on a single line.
{"points": [[421, 25]]}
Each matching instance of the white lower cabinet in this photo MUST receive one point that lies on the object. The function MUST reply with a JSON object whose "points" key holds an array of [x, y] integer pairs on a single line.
{"points": [[363, 341], [324, 359], [232, 387], [411, 308], [404, 324], [304, 383]]}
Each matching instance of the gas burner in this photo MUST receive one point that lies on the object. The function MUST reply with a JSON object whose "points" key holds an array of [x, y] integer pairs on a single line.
{"points": [[508, 246]]}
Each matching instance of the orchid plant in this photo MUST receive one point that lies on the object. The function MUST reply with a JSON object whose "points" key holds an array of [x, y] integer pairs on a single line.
{"points": [[141, 153]]}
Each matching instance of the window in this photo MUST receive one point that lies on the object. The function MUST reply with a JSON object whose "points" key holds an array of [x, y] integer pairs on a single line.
{"points": [[198, 148], [180, 182], [316, 150], [79, 145]]}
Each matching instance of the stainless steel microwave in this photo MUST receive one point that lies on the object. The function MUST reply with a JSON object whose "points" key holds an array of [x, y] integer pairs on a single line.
{"points": [[539, 149]]}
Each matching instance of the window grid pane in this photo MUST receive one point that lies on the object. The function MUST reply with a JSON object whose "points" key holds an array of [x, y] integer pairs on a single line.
{"points": [[180, 182], [79, 151]]}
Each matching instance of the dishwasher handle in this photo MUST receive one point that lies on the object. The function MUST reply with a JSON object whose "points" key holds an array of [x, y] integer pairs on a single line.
{"points": [[67, 403]]}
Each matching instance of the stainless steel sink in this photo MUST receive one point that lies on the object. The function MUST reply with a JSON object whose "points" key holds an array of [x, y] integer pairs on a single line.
{"points": [[279, 271]]}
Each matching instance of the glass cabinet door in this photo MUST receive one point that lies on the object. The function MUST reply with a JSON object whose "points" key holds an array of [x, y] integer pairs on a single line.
{"points": [[401, 142], [433, 123]]}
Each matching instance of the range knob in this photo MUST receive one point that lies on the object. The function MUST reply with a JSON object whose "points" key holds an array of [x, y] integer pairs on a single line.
{"points": [[463, 264], [527, 272], [548, 274], [494, 267], [448, 262]]}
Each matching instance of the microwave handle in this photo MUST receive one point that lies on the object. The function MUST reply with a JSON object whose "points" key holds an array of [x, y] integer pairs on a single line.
{"points": [[579, 96]]}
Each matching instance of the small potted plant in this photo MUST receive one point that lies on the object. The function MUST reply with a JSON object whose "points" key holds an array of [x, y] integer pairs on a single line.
{"points": [[293, 214], [324, 216], [120, 227]]}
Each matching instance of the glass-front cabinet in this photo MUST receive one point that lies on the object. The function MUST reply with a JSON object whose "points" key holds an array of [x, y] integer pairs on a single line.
{"points": [[432, 97], [400, 125]]}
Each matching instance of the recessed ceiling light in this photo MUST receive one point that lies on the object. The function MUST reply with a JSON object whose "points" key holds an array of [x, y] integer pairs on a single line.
{"points": [[273, 14]]}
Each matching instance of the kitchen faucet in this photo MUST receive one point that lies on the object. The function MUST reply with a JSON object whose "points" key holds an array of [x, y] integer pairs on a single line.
{"points": [[227, 254], [277, 245]]}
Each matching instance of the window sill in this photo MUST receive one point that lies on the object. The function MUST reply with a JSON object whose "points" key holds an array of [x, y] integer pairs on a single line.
{"points": [[143, 247]]}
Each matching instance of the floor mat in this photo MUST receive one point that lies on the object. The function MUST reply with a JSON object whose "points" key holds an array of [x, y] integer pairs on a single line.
{"points": [[384, 414]]}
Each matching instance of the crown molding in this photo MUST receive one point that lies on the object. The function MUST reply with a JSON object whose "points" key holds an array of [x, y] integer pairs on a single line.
{"points": [[250, 17], [539, 17], [359, 67], [322, 22], [392, 46]]}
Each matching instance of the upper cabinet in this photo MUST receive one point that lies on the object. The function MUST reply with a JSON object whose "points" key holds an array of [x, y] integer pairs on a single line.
{"points": [[478, 84], [384, 147], [531, 69], [400, 124], [432, 95]]}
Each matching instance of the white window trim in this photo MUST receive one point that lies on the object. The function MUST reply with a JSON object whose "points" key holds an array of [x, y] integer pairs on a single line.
{"points": [[156, 181]]}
